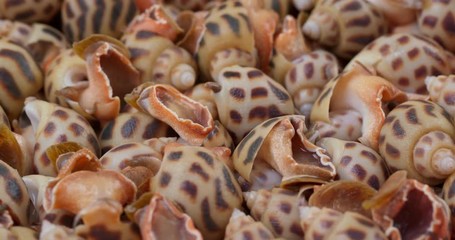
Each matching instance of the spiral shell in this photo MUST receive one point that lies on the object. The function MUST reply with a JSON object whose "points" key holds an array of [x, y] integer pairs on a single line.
{"points": [[197, 180], [278, 148], [418, 137], [29, 10], [82, 18], [245, 97], [278, 210], [20, 77], [405, 60], [344, 26], [328, 224], [242, 226], [437, 20], [442, 91], [355, 161]]}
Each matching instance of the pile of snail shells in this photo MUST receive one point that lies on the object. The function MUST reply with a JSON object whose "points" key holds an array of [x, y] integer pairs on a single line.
{"points": [[227, 119]]}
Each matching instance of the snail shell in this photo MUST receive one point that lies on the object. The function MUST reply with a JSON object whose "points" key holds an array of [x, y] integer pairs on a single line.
{"points": [[29, 11], [20, 75], [36, 185], [245, 97], [417, 136], [405, 60], [197, 180], [278, 148], [204, 95], [448, 191], [53, 124], [355, 161], [328, 224], [82, 18], [437, 20], [343, 125], [278, 210], [408, 209], [398, 13], [18, 233], [442, 91], [244, 226], [344, 26]]}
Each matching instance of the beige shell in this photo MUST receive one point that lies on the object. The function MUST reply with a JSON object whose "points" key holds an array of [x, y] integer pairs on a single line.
{"points": [[80, 19], [345, 26], [326, 224], [29, 10], [437, 20], [355, 161], [442, 91], [204, 95], [243, 226], [278, 210], [198, 181], [14, 196], [290, 41], [36, 186], [245, 97], [448, 192], [405, 60], [227, 40], [418, 137], [20, 75], [359, 90], [53, 124], [279, 149], [161, 219], [343, 124], [18, 233], [408, 209]]}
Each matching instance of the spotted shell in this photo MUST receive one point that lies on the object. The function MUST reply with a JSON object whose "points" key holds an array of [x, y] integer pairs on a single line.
{"points": [[197, 180], [437, 20], [13, 195], [227, 29], [417, 136], [278, 210], [405, 60], [355, 161], [278, 148], [53, 124], [20, 77], [344, 26], [243, 226], [408, 209], [328, 224], [29, 11], [82, 18], [307, 77], [130, 127], [357, 89], [442, 91], [161, 218], [245, 97]]}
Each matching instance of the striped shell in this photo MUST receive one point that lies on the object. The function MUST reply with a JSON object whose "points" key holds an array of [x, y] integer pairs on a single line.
{"points": [[442, 91], [245, 97], [437, 20], [355, 161], [345, 26], [278, 149], [20, 77], [417, 136], [53, 124], [278, 210], [82, 18], [405, 60], [197, 180], [29, 10], [242, 226]]}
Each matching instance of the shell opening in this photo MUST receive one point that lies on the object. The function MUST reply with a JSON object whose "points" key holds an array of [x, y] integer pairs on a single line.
{"points": [[415, 217]]}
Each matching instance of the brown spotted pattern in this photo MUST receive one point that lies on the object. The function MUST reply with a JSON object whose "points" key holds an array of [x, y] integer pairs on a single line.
{"points": [[278, 210], [20, 77], [197, 180], [442, 91], [326, 223], [407, 133], [29, 10], [344, 26], [84, 17], [305, 80], [355, 161], [53, 124], [130, 127], [247, 98], [242, 226], [437, 20], [405, 60]]}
